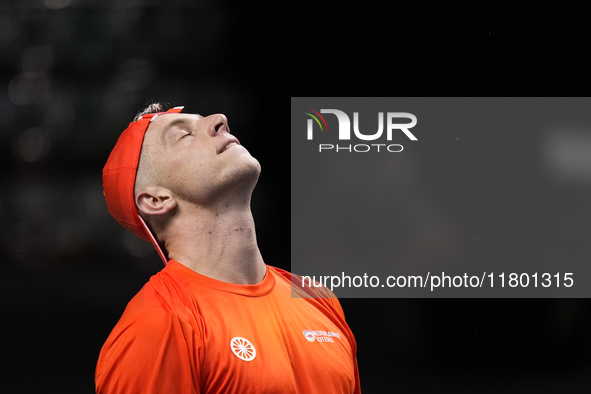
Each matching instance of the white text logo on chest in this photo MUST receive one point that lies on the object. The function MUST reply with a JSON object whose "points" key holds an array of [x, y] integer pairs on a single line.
{"points": [[320, 336]]}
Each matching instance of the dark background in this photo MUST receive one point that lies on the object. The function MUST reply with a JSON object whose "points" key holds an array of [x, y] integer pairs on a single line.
{"points": [[73, 74]]}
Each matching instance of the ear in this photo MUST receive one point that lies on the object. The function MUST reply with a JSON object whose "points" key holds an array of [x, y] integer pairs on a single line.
{"points": [[155, 200]]}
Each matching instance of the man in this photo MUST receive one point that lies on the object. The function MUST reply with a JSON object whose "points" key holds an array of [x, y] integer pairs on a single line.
{"points": [[216, 319]]}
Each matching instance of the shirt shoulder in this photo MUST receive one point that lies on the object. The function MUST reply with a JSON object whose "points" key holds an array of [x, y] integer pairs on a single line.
{"points": [[315, 290], [162, 303], [165, 293], [156, 332]]}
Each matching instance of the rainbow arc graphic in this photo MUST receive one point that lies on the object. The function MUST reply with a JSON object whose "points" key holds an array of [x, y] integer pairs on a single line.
{"points": [[315, 118]]}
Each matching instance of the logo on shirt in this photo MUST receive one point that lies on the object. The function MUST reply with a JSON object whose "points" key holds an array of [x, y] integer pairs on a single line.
{"points": [[243, 349], [321, 336], [310, 336]]}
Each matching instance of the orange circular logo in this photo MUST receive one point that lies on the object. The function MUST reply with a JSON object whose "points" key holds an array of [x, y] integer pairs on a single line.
{"points": [[243, 349]]}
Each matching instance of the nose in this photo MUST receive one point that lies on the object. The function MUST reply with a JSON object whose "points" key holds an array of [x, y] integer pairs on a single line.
{"points": [[218, 125]]}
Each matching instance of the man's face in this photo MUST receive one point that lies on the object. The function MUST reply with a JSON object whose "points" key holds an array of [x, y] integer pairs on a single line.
{"points": [[197, 158]]}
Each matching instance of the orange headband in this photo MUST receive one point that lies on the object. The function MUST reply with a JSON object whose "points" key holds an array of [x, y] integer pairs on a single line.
{"points": [[119, 178]]}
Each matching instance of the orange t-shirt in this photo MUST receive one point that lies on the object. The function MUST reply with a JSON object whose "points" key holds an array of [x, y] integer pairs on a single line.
{"points": [[187, 333]]}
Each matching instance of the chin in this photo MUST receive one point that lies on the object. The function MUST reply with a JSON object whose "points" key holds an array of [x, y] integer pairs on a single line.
{"points": [[249, 164], [252, 169], [244, 173]]}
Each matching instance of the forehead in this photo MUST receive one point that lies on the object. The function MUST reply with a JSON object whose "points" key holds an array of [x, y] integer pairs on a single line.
{"points": [[169, 120]]}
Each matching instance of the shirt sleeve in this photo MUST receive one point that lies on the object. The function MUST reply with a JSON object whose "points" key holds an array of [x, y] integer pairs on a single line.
{"points": [[153, 351], [337, 306]]}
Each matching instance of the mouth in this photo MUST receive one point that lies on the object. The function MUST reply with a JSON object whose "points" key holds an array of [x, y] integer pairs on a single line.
{"points": [[230, 144]]}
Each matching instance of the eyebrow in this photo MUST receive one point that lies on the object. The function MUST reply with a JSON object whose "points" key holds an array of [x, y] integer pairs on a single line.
{"points": [[176, 122]]}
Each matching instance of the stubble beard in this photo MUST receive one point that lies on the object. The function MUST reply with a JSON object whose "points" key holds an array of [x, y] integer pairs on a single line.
{"points": [[234, 188]]}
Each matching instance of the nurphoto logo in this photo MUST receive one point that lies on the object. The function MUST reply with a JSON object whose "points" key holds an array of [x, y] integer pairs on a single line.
{"points": [[344, 132]]}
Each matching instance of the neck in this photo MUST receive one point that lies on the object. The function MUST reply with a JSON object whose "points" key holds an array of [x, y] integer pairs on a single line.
{"points": [[217, 242]]}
